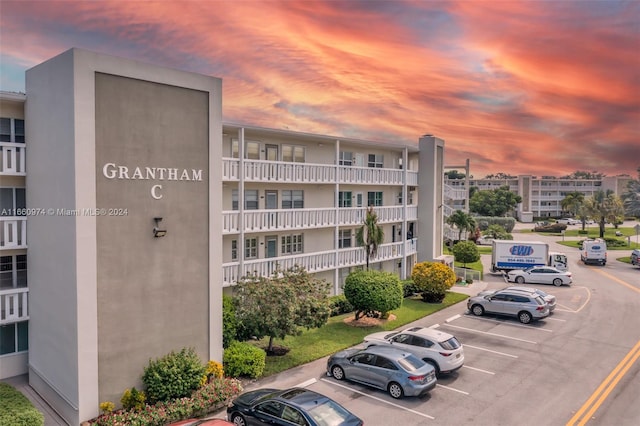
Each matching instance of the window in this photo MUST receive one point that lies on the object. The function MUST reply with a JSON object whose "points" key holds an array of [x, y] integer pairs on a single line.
{"points": [[6, 272], [19, 130], [367, 359], [251, 248], [344, 238], [12, 201], [375, 161], [344, 199], [234, 199], [252, 151], [251, 199], [346, 158], [273, 408], [399, 198], [385, 363], [374, 198], [14, 338], [292, 415], [234, 249], [292, 199], [293, 153], [292, 244]]}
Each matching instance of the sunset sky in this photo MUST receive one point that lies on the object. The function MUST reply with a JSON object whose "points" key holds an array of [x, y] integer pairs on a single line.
{"points": [[521, 87]]}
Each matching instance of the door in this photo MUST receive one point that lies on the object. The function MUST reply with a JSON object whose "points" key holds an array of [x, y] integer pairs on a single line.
{"points": [[271, 247], [271, 203], [271, 155], [359, 160], [359, 199]]}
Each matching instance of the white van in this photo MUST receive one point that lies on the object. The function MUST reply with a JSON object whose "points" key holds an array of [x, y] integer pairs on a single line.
{"points": [[594, 251]]}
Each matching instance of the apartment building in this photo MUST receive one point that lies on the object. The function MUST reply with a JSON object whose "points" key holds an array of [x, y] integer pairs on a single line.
{"points": [[541, 196], [142, 208]]}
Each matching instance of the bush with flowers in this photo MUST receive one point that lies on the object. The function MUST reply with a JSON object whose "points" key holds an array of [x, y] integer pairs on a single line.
{"points": [[210, 397]]}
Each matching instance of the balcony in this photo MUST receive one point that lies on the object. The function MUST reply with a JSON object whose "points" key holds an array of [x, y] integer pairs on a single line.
{"points": [[13, 232], [282, 172], [317, 262], [455, 193], [13, 159], [14, 305], [287, 219]]}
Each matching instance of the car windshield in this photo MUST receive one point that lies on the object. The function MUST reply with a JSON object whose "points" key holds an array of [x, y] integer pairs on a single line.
{"points": [[450, 344], [329, 413], [411, 363]]}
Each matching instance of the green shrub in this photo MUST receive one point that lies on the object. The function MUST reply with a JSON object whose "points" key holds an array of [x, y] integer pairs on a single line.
{"points": [[244, 359], [508, 223], [433, 279], [552, 227], [107, 407], [16, 409], [466, 252], [229, 321], [409, 288], [340, 305], [373, 291], [133, 399], [175, 375]]}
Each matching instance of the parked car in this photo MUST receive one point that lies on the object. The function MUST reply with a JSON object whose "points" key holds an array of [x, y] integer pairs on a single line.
{"points": [[525, 307], [568, 221], [202, 422], [442, 350], [540, 275], [398, 372], [295, 406], [549, 298], [635, 257]]}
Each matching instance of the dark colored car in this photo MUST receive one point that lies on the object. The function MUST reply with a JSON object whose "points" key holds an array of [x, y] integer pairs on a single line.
{"points": [[635, 257], [295, 406]]}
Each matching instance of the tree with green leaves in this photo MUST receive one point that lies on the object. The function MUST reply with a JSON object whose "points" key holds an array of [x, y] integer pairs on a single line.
{"points": [[370, 235], [497, 232], [462, 221], [278, 306], [604, 206], [631, 197], [454, 174], [572, 202], [466, 252], [494, 202]]}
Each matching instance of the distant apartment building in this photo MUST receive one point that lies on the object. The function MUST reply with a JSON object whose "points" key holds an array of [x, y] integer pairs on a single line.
{"points": [[541, 196], [142, 208]]}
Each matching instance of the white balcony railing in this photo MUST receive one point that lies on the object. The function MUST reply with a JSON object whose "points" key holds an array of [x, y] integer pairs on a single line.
{"points": [[13, 159], [455, 193], [317, 262], [278, 171], [13, 232], [14, 305], [286, 219]]}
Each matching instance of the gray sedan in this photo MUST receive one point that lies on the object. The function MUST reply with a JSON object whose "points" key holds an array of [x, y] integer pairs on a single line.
{"points": [[397, 372]]}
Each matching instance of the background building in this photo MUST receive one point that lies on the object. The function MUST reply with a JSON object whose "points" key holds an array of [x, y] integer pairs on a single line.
{"points": [[142, 208]]}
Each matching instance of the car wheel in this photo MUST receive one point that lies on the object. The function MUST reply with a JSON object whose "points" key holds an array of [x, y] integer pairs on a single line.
{"points": [[520, 280], [477, 310], [337, 372], [395, 390], [238, 420], [525, 317], [433, 364], [557, 282]]}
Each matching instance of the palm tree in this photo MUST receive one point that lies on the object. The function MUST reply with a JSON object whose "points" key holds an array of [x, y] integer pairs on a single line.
{"points": [[572, 202], [370, 235], [632, 197], [462, 221], [604, 206]]}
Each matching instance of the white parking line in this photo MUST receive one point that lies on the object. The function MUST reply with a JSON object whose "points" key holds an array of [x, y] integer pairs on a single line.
{"points": [[306, 383], [489, 350], [453, 318], [331, 382], [492, 334], [509, 324], [478, 369], [452, 389], [555, 319]]}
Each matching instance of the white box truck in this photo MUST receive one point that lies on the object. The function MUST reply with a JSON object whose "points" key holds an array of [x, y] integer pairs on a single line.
{"points": [[594, 251], [508, 254]]}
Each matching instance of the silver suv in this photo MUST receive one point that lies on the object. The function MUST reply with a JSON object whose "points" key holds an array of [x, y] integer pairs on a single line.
{"points": [[524, 306]]}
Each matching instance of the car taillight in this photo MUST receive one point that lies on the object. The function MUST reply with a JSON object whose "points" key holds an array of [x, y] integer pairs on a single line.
{"points": [[444, 354], [417, 378], [540, 308]]}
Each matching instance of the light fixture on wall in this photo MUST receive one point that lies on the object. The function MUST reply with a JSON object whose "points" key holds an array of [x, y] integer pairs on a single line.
{"points": [[157, 232]]}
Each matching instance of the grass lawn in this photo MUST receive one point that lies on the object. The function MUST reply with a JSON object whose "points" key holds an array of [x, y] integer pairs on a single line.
{"points": [[336, 335], [574, 244]]}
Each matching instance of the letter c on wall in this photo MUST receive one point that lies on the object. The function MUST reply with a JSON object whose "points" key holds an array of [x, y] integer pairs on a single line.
{"points": [[154, 192]]}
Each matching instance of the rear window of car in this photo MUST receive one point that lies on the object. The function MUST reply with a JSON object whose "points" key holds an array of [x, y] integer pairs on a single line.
{"points": [[539, 300], [450, 344], [329, 413], [410, 363]]}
